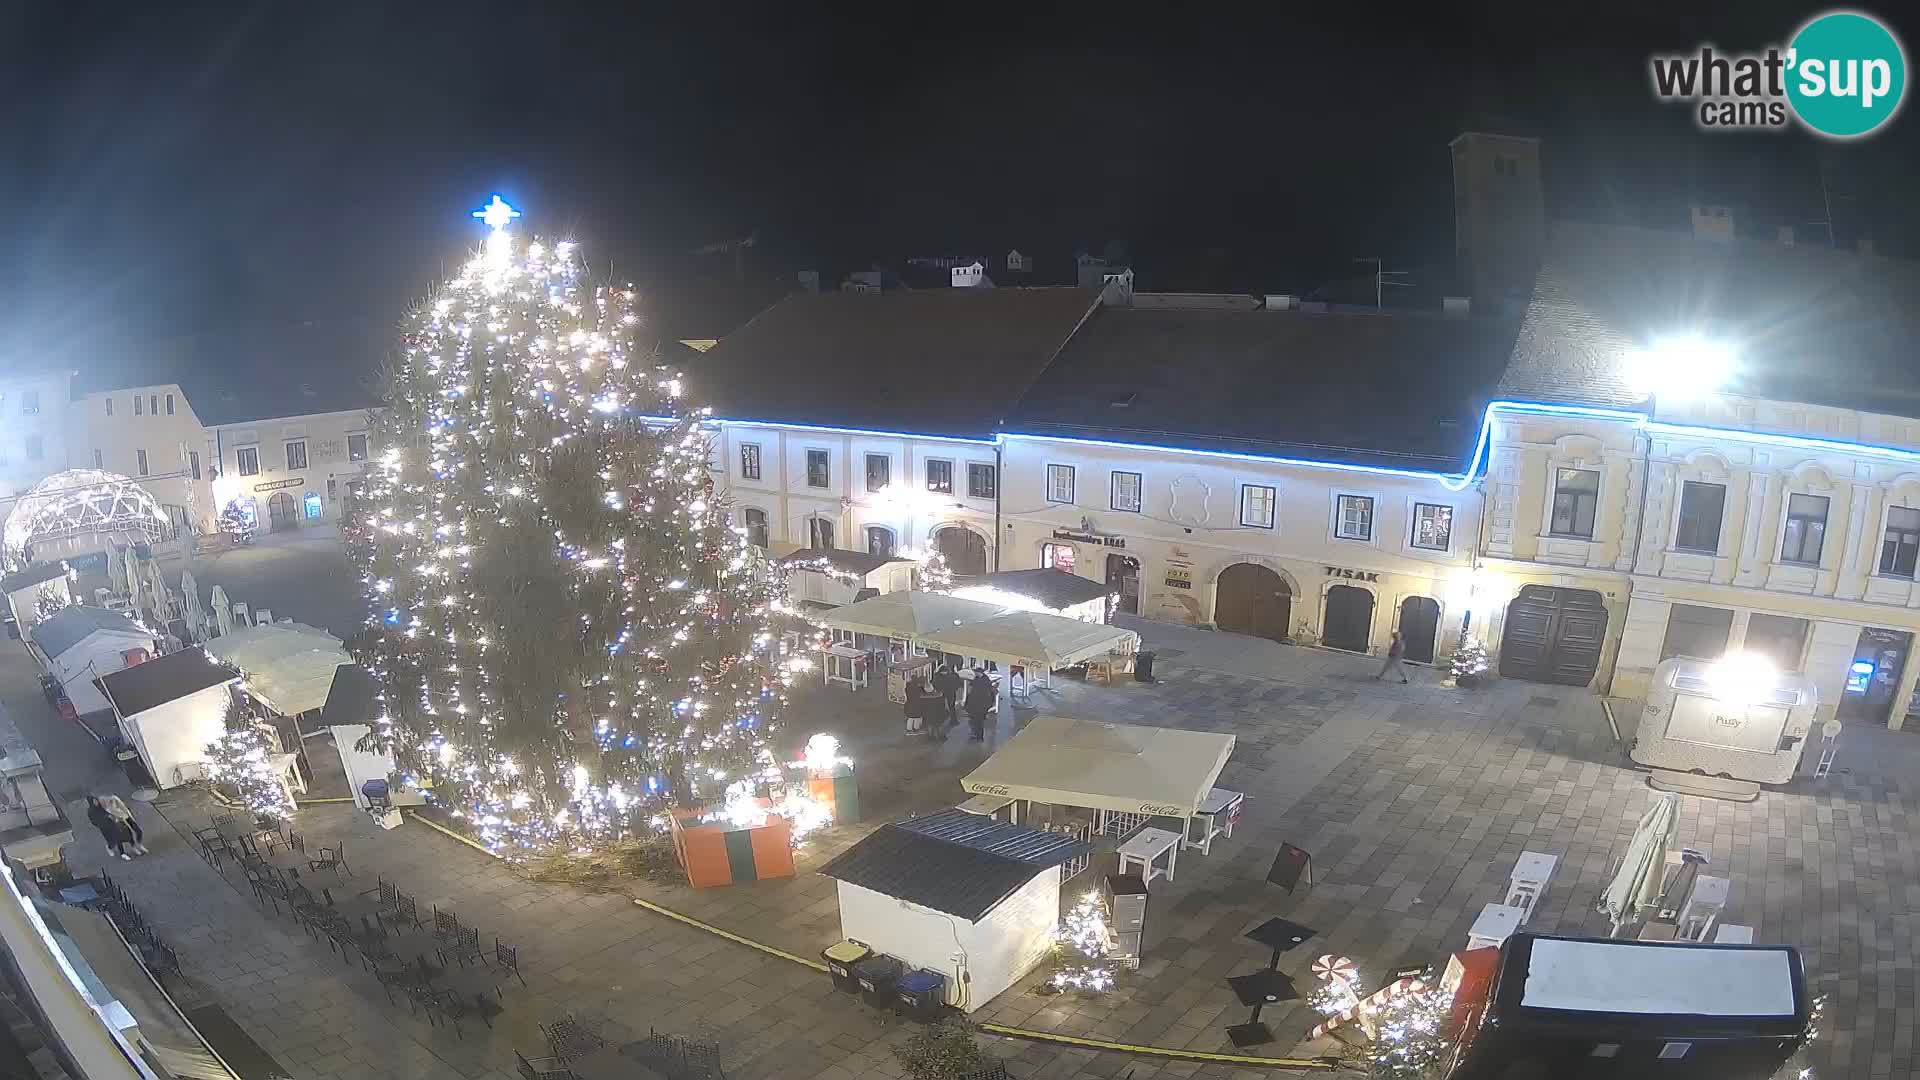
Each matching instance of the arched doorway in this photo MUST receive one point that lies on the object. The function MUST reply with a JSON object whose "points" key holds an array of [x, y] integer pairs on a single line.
{"points": [[1419, 626], [965, 550], [1553, 635], [880, 541], [1251, 599], [1349, 619], [1123, 577], [280, 512]]}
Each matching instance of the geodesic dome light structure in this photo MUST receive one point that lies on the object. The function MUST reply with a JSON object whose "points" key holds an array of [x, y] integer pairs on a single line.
{"points": [[80, 501]]}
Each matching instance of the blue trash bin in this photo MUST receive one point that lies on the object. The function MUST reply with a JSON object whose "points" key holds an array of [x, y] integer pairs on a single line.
{"points": [[922, 994]]}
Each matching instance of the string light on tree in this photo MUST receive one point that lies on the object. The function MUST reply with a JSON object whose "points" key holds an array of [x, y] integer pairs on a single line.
{"points": [[242, 759], [567, 629], [1084, 930]]}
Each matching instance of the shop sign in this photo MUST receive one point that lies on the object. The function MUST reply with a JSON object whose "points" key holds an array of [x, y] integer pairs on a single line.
{"points": [[276, 485], [1179, 579], [1089, 538], [1353, 575], [1162, 809], [988, 789]]}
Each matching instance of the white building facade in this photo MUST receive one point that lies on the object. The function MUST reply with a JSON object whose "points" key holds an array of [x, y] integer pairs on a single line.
{"points": [[295, 471], [152, 435], [33, 430]]}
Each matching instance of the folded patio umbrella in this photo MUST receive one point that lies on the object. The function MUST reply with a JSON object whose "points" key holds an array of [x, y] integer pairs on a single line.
{"points": [[1636, 884]]}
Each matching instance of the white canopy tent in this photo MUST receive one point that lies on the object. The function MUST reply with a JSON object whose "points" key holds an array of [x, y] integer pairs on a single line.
{"points": [[288, 666], [1164, 772], [1033, 638], [907, 615]]}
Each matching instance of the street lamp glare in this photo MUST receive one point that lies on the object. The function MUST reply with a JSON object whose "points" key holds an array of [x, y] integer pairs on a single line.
{"points": [[1678, 368]]}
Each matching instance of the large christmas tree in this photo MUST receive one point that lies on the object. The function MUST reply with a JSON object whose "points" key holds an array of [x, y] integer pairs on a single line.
{"points": [[567, 628]]}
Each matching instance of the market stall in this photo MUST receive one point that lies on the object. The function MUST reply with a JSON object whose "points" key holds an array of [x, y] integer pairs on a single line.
{"points": [[1047, 590], [82, 643], [1734, 717], [289, 666], [24, 591], [1033, 641], [1123, 772], [835, 578], [967, 897], [907, 617], [351, 707], [170, 708]]}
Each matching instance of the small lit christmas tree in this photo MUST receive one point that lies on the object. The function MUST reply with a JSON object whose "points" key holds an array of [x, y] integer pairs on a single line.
{"points": [[1410, 1041], [242, 759], [1470, 663], [1084, 931], [933, 574], [46, 604]]}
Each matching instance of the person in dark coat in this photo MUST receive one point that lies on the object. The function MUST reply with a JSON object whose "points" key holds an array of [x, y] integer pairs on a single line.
{"points": [[948, 682], [1396, 653], [916, 707], [116, 834], [981, 696]]}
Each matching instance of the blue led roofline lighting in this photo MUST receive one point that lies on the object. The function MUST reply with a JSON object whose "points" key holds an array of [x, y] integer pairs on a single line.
{"points": [[1449, 481]]}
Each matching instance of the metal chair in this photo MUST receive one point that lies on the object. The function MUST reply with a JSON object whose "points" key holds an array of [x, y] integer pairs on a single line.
{"points": [[405, 912], [546, 1068], [508, 959], [569, 1040], [446, 926], [464, 948], [331, 858]]}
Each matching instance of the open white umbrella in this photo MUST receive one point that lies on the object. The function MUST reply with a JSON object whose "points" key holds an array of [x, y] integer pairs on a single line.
{"points": [[222, 611], [1636, 885]]}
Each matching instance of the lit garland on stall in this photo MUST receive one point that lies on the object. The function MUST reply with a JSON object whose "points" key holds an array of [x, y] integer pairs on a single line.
{"points": [[568, 632], [1084, 928]]}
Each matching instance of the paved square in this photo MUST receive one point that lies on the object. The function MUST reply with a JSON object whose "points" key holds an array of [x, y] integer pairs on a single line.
{"points": [[1414, 800]]}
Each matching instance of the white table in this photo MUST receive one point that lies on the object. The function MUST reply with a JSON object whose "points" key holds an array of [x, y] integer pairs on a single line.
{"points": [[989, 806], [1496, 924], [844, 664], [1146, 847], [1216, 815], [1529, 881]]}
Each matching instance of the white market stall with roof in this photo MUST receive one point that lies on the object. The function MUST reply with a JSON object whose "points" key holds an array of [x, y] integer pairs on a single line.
{"points": [[907, 616], [82, 643], [170, 708], [836, 578], [1034, 641], [966, 896], [1047, 590], [289, 666], [1111, 769], [23, 590]]}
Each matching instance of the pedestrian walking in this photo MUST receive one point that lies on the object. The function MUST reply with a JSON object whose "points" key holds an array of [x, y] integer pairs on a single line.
{"points": [[948, 682], [111, 830], [124, 815], [1396, 649], [980, 699]]}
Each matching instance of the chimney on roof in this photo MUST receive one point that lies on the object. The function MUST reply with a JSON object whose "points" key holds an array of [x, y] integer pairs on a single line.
{"points": [[1712, 223], [1785, 232], [969, 276], [1117, 290], [1456, 307], [1018, 263]]}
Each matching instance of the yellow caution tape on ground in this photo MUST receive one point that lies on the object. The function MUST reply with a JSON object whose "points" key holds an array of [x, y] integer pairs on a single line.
{"points": [[994, 1029]]}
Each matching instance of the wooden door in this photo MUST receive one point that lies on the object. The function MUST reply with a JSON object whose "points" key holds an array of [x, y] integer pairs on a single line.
{"points": [[1251, 599], [1349, 619], [1419, 626], [1553, 635]]}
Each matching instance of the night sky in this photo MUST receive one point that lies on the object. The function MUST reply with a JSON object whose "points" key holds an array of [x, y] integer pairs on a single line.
{"points": [[172, 172]]}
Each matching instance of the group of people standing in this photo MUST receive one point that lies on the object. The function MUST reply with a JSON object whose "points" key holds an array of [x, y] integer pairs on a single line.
{"points": [[114, 818], [944, 694]]}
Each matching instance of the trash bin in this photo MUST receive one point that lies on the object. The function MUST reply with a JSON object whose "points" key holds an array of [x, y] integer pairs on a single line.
{"points": [[840, 957], [877, 975], [1143, 667], [376, 793], [922, 994]]}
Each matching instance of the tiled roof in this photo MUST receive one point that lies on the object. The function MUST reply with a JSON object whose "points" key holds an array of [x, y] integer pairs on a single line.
{"points": [[1056, 589], [934, 362], [1404, 391], [171, 677], [959, 863], [1806, 323], [76, 623]]}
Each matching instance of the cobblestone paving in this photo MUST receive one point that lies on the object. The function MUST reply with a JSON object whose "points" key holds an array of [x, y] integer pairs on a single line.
{"points": [[1414, 800]]}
